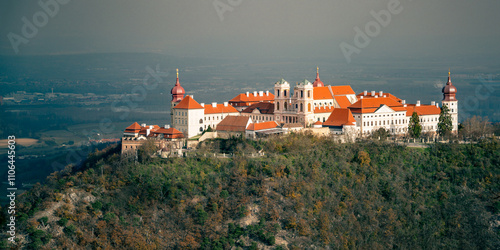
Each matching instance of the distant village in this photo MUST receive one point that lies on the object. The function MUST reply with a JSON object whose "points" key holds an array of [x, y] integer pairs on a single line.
{"points": [[315, 107]]}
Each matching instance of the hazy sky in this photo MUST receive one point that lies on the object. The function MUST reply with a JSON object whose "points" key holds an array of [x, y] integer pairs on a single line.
{"points": [[261, 28]]}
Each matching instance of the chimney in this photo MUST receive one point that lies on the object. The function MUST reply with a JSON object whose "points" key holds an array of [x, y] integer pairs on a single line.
{"points": [[255, 93], [404, 105], [143, 125], [261, 93], [376, 96], [373, 92], [202, 104], [267, 92], [418, 103], [214, 104], [433, 103], [385, 95], [365, 92], [150, 126], [225, 104], [403, 102], [247, 93], [437, 104], [147, 131], [361, 97], [381, 93], [167, 126]]}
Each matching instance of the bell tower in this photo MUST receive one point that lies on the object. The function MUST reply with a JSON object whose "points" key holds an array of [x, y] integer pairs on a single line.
{"points": [[177, 96], [450, 100]]}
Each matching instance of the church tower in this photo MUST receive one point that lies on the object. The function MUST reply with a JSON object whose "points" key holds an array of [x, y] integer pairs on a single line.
{"points": [[177, 96], [305, 109], [281, 97], [318, 82], [450, 100]]}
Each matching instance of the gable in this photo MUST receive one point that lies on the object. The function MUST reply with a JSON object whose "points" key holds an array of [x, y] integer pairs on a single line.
{"points": [[384, 109]]}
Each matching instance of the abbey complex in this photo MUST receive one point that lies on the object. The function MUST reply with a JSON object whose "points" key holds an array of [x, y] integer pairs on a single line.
{"points": [[336, 110]]}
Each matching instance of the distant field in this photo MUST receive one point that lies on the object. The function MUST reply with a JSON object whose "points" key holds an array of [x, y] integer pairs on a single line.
{"points": [[22, 141]]}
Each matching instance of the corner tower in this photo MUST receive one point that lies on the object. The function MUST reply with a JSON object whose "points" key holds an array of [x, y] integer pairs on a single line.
{"points": [[177, 96], [450, 100]]}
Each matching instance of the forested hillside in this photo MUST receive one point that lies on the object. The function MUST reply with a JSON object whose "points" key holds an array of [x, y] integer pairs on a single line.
{"points": [[305, 192]]}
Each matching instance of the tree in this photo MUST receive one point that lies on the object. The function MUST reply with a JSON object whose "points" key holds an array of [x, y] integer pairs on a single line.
{"points": [[444, 125], [381, 134], [414, 128], [476, 127]]}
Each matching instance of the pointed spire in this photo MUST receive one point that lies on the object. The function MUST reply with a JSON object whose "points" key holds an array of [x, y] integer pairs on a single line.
{"points": [[177, 82], [449, 77]]}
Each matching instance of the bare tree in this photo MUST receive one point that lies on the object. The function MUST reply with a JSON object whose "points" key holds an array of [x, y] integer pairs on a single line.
{"points": [[476, 127]]}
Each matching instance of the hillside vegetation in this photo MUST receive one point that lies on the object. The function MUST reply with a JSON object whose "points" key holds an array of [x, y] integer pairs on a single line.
{"points": [[305, 192]]}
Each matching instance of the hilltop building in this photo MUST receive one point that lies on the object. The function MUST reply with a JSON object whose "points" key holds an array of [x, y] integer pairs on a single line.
{"points": [[306, 105]]}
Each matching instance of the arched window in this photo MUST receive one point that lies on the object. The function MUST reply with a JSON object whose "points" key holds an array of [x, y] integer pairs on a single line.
{"points": [[285, 106], [309, 107], [301, 108], [284, 93], [201, 129], [278, 93], [301, 93], [201, 121], [278, 105], [308, 94]]}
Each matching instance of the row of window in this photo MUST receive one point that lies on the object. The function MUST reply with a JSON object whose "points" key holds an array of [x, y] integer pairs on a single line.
{"points": [[371, 116], [301, 109], [381, 123], [260, 118], [181, 113]]}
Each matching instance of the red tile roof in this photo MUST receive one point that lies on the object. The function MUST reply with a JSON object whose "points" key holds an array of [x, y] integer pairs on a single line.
{"points": [[144, 129], [188, 103], [209, 109], [320, 93], [340, 117], [233, 123], [369, 95], [343, 101], [168, 133], [343, 90], [262, 126], [369, 105], [251, 98], [135, 127], [318, 123], [263, 107], [422, 110], [323, 109]]}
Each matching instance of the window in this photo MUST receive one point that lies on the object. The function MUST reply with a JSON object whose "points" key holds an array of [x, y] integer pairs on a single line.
{"points": [[285, 106], [301, 108], [278, 105], [301, 93], [201, 121], [284, 93], [308, 94], [278, 93], [309, 107], [201, 129]]}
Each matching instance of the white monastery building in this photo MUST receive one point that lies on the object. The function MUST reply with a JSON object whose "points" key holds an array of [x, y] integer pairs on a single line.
{"points": [[307, 105]]}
